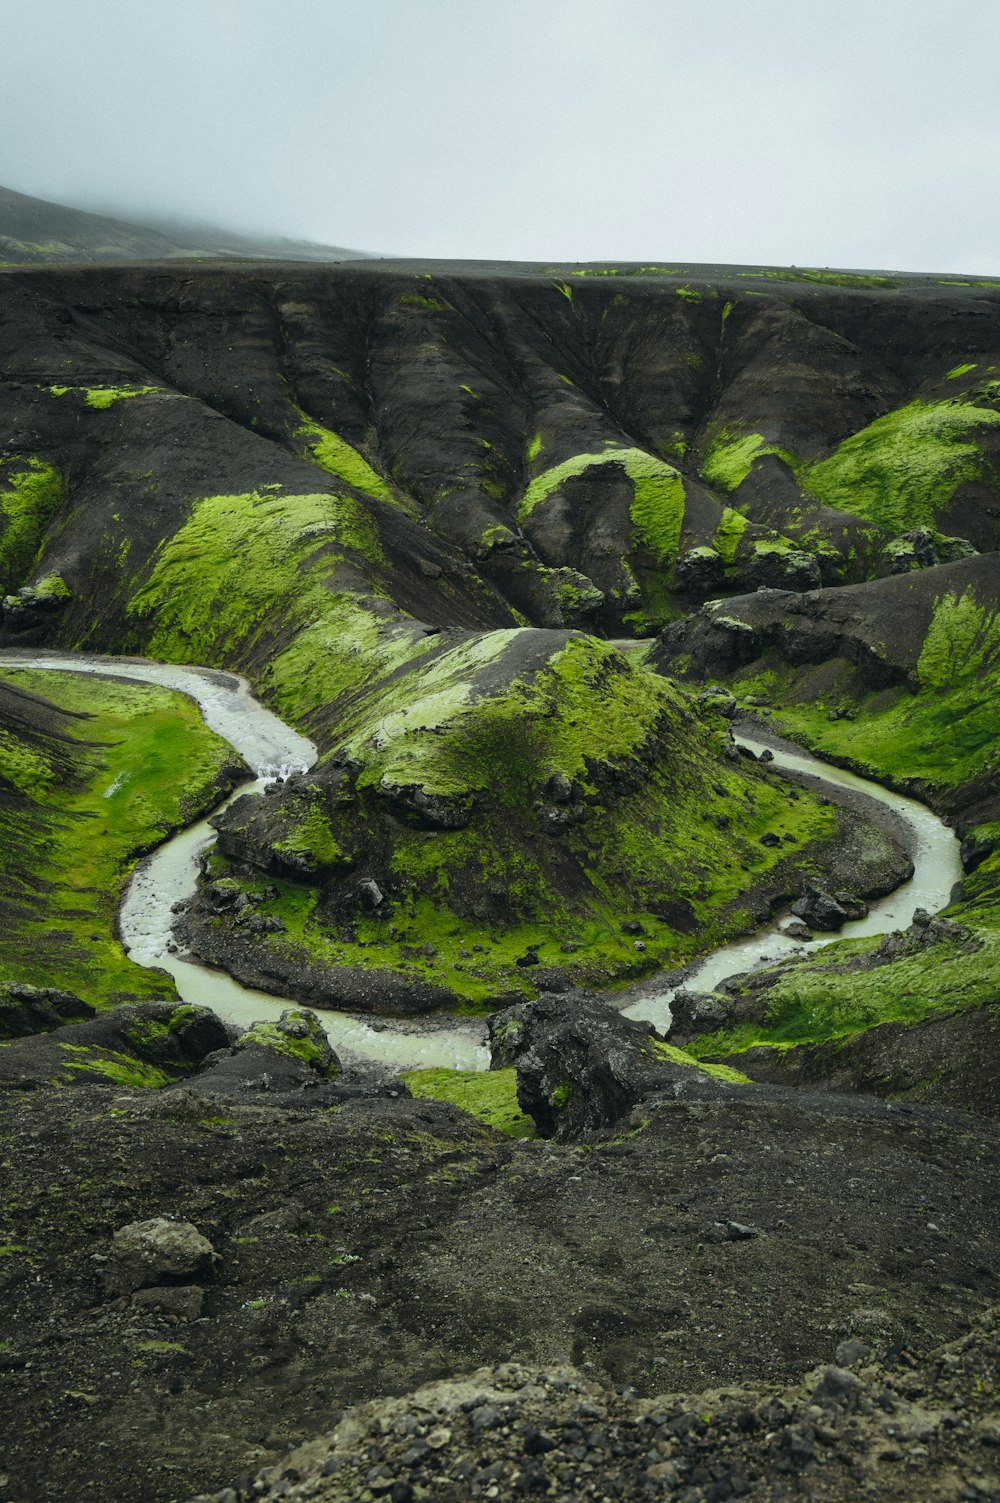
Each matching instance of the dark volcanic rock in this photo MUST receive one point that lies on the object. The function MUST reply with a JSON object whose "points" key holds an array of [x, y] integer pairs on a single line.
{"points": [[288, 1061], [878, 628], [148, 1043], [926, 1429], [581, 1065], [35, 1009], [157, 1252], [820, 910]]}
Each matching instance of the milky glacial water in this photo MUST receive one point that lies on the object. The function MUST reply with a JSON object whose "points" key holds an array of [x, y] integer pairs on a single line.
{"points": [[272, 749]]}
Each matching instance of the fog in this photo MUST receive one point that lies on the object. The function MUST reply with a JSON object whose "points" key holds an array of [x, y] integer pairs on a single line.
{"points": [[864, 133]]}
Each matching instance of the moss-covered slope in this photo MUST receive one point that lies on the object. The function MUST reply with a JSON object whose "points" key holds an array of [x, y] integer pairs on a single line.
{"points": [[899, 679], [389, 494], [92, 774]]}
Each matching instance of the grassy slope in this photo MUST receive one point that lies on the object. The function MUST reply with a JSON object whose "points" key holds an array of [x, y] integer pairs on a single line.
{"points": [[275, 560], [943, 739], [142, 763]]}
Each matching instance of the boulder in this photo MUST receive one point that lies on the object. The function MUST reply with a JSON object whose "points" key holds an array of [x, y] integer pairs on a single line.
{"points": [[582, 1066], [146, 1254], [820, 909], [287, 1061], [25, 1010]]}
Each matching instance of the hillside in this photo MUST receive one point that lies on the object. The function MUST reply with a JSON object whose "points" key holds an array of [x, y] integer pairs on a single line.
{"points": [[517, 547], [34, 232], [409, 502]]}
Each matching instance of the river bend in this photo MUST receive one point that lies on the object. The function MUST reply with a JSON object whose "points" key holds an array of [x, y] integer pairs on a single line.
{"points": [[272, 750]]}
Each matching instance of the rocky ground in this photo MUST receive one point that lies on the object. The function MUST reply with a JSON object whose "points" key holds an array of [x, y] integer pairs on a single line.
{"points": [[899, 1428], [305, 1258]]}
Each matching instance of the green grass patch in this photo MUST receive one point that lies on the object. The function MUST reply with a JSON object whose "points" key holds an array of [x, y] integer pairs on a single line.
{"points": [[490, 1095], [140, 764], [904, 468]]}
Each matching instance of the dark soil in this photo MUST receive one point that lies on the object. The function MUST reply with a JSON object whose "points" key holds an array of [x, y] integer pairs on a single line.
{"points": [[902, 1427], [387, 1243]]}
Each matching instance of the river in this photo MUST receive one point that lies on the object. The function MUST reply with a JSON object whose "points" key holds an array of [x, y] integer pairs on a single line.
{"points": [[273, 750]]}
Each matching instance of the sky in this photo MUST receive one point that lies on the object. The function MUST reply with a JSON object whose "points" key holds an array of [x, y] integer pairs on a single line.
{"points": [[848, 133]]}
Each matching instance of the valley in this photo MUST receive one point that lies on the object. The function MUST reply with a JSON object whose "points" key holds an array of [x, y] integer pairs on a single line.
{"points": [[539, 574]]}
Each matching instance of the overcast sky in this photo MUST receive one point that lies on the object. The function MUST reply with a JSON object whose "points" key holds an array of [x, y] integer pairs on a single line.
{"points": [[857, 133]]}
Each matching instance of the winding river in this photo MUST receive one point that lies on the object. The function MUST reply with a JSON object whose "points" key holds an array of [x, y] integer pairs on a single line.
{"points": [[273, 750]]}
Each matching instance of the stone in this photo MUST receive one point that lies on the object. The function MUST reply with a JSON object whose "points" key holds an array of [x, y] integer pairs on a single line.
{"points": [[184, 1301], [837, 1387], [581, 1065], [146, 1254], [820, 909]]}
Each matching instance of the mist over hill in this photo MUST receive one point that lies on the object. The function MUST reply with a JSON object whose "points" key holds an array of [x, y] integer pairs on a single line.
{"points": [[34, 232]]}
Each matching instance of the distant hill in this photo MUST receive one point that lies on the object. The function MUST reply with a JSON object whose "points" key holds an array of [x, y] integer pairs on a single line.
{"points": [[34, 232]]}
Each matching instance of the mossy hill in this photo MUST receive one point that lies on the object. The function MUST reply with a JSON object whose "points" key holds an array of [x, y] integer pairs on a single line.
{"points": [[898, 679], [410, 500], [93, 773]]}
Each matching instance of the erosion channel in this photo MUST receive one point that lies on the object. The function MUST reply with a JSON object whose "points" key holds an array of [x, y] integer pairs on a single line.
{"points": [[273, 750]]}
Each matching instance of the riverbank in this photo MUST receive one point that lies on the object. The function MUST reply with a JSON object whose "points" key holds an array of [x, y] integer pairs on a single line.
{"points": [[166, 880]]}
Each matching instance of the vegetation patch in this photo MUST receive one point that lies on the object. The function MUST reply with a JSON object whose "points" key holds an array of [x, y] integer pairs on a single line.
{"points": [[121, 767], [31, 492], [730, 458], [340, 459], [100, 398], [904, 468], [113, 1065], [490, 1095]]}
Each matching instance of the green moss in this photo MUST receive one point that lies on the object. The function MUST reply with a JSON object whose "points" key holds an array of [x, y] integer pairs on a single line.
{"points": [[100, 398], [689, 294], [29, 500], [565, 289], [821, 278], [245, 564], [814, 1001], [115, 1066], [963, 639], [11, 1249], [534, 447], [310, 836], [490, 1095], [730, 458], [340, 459], [561, 1096], [657, 508], [427, 304], [136, 764], [959, 370], [52, 587], [904, 468], [717, 1072], [298, 1035], [728, 534]]}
